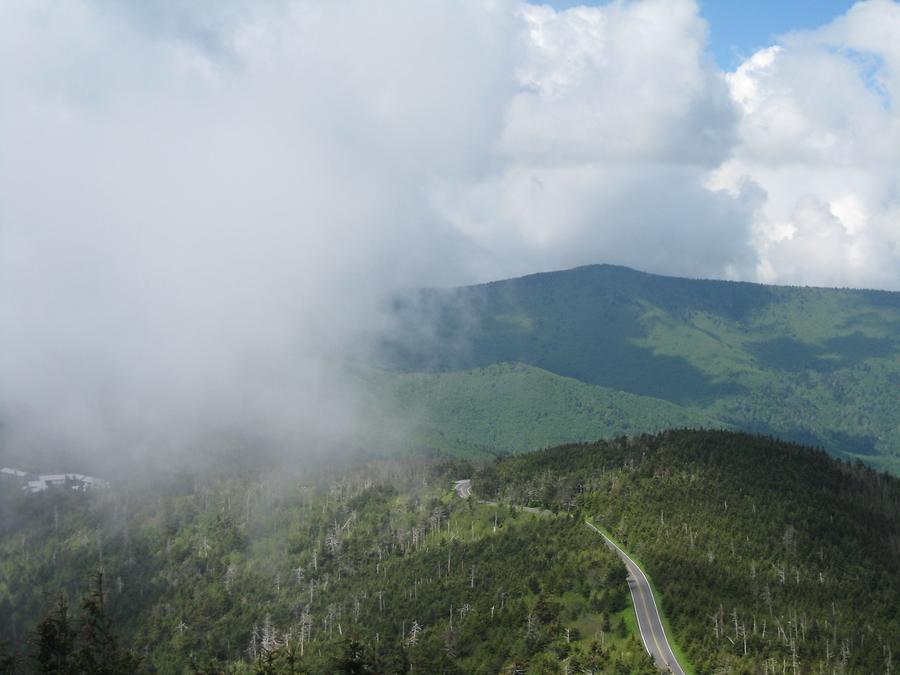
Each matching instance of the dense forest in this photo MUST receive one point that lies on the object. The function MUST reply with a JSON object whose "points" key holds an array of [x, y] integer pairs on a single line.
{"points": [[766, 557], [513, 407], [379, 568], [605, 350]]}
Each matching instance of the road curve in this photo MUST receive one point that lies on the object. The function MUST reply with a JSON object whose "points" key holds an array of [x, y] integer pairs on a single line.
{"points": [[649, 621], [463, 488]]}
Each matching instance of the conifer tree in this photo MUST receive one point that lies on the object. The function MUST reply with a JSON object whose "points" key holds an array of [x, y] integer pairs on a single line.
{"points": [[54, 641]]}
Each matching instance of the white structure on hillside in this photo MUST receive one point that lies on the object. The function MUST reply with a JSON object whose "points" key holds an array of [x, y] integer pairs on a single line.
{"points": [[40, 482]]}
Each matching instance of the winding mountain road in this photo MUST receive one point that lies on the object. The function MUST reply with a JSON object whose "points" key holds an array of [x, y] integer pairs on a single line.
{"points": [[649, 621], [463, 488]]}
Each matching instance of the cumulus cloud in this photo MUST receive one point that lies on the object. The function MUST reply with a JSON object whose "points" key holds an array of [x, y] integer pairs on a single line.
{"points": [[605, 149], [820, 136], [202, 206]]}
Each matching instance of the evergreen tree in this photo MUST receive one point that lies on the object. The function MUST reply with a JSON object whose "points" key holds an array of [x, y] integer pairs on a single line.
{"points": [[91, 649], [98, 652], [54, 641], [354, 659]]}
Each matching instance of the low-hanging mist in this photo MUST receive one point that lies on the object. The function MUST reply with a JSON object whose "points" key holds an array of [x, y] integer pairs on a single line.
{"points": [[203, 208]]}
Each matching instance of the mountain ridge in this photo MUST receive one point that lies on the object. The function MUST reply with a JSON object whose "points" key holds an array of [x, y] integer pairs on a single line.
{"points": [[809, 364], [660, 275]]}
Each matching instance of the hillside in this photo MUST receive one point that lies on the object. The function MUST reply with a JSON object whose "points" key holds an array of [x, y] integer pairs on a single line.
{"points": [[765, 554], [374, 569], [819, 366], [762, 552], [515, 407]]}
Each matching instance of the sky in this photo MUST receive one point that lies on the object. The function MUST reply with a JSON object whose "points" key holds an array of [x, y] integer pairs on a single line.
{"points": [[739, 28], [204, 205]]}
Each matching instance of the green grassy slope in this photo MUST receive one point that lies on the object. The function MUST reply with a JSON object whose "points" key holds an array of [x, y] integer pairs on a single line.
{"points": [[820, 366], [516, 407]]}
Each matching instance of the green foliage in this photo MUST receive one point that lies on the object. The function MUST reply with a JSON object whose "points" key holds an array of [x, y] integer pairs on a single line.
{"points": [[378, 568], [58, 647], [515, 408], [754, 544], [54, 641], [818, 366], [98, 652]]}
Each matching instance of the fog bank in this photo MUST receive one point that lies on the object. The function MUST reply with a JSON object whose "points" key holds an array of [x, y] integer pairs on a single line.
{"points": [[204, 206]]}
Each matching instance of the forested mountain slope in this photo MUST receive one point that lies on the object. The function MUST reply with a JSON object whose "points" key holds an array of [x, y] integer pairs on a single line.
{"points": [[765, 554], [819, 366], [375, 569], [512, 408]]}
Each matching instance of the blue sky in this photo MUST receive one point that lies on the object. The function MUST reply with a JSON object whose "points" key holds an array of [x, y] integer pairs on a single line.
{"points": [[739, 27]]}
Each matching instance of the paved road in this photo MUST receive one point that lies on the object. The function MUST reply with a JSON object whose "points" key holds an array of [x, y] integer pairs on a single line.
{"points": [[463, 488], [649, 622]]}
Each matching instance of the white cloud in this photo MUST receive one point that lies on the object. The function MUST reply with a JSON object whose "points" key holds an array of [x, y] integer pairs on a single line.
{"points": [[194, 232], [820, 135], [200, 204], [605, 149], [625, 81]]}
